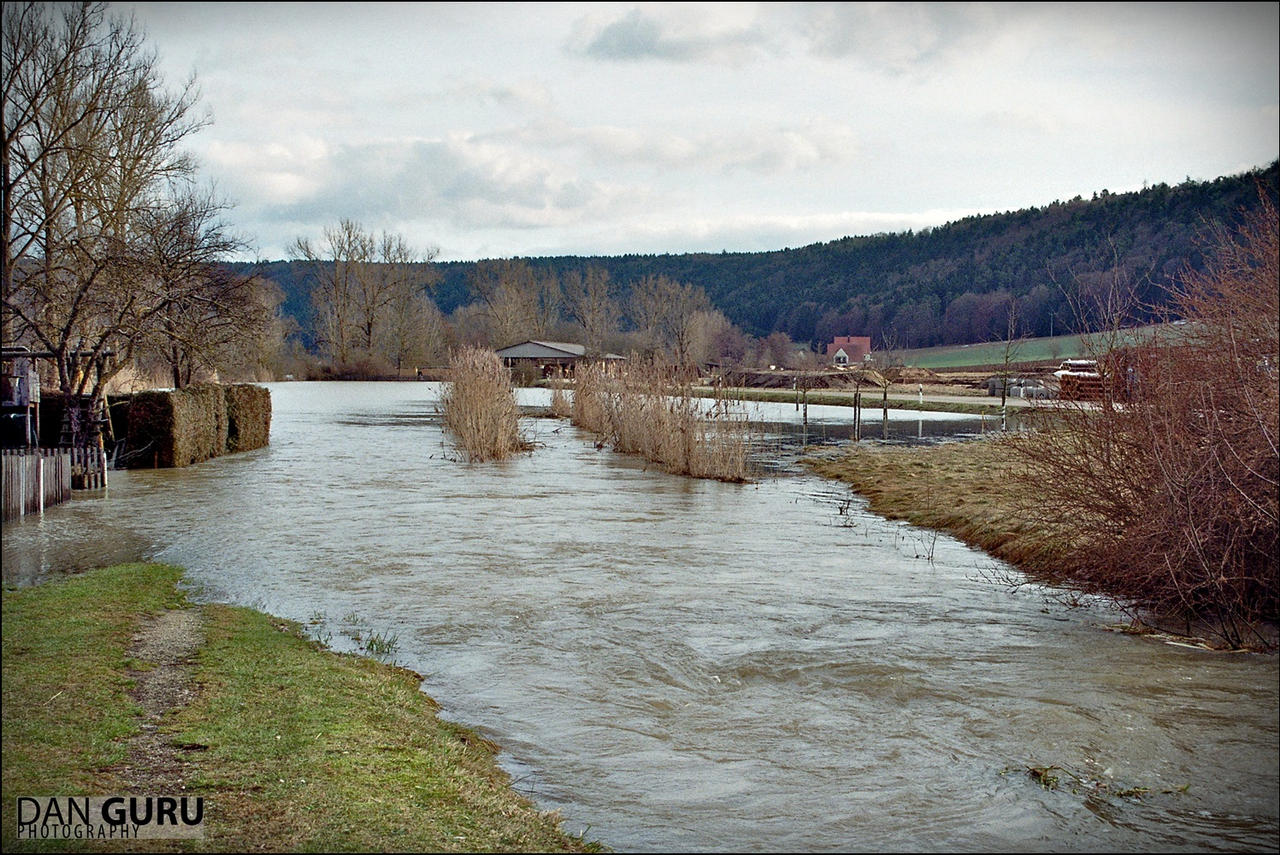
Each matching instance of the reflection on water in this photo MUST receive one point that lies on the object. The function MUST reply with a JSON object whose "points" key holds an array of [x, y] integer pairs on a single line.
{"points": [[684, 664]]}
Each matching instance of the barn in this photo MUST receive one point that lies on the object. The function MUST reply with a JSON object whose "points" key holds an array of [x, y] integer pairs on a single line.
{"points": [[547, 357]]}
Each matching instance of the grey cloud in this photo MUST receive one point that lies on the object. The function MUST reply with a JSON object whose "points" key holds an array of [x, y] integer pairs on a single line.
{"points": [[638, 36], [894, 38], [463, 180]]}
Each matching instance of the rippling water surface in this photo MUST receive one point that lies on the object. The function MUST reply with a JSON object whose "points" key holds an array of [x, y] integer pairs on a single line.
{"points": [[681, 664]]}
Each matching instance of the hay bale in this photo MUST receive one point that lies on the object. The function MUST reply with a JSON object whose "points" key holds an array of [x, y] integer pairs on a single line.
{"points": [[150, 433], [200, 419], [177, 428], [248, 417]]}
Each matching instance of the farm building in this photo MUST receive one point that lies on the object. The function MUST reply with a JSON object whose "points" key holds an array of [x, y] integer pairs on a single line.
{"points": [[547, 357], [849, 349]]}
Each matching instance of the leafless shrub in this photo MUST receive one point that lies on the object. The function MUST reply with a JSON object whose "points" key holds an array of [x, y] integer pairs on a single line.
{"points": [[480, 406], [1168, 488], [560, 406], [649, 409]]}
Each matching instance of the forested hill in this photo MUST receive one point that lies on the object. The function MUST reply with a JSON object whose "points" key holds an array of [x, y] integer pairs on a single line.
{"points": [[946, 285]]}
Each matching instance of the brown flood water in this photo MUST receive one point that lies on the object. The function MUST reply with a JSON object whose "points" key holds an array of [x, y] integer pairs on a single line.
{"points": [[690, 665]]}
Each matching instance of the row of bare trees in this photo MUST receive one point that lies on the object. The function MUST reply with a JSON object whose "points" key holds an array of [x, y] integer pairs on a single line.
{"points": [[372, 302], [371, 296], [110, 245], [660, 317]]}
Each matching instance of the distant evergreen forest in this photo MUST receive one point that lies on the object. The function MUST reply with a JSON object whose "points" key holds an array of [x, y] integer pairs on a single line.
{"points": [[952, 284]]}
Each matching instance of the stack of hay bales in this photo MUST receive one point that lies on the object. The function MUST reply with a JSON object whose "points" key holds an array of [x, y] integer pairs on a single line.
{"points": [[199, 422]]}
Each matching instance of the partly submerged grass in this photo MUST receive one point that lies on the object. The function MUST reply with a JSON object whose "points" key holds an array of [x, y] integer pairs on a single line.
{"points": [[645, 410], [970, 490], [480, 406], [292, 746]]}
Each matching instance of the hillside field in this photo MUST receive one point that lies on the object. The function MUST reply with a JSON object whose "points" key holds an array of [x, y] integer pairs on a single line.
{"points": [[1031, 350]]}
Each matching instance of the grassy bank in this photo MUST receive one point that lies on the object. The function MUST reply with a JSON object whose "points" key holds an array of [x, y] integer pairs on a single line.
{"points": [[980, 492], [292, 746], [966, 489]]}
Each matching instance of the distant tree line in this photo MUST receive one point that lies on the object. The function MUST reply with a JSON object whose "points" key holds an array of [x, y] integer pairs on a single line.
{"points": [[369, 304], [955, 284]]}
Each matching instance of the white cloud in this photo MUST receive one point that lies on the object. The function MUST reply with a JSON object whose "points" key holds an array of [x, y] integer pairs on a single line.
{"points": [[590, 127], [725, 150], [463, 180]]}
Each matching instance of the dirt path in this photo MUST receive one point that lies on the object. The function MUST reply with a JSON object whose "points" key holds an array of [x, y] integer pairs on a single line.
{"points": [[169, 641]]}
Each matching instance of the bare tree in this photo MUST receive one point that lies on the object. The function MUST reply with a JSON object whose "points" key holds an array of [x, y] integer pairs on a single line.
{"points": [[715, 339], [518, 302], [90, 147], [1167, 493], [363, 285], [257, 350], [775, 349], [337, 267], [647, 308], [414, 334], [589, 302], [665, 312], [1014, 339], [206, 309], [890, 351]]}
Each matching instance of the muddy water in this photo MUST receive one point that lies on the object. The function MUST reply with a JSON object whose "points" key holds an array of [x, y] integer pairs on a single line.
{"points": [[691, 665]]}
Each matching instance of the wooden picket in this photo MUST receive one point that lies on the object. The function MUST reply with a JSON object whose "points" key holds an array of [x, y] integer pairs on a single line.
{"points": [[34, 479]]}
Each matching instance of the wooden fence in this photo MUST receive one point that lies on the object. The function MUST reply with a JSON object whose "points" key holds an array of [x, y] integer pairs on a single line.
{"points": [[88, 468], [34, 479]]}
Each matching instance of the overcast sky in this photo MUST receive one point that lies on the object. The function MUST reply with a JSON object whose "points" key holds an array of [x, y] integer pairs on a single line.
{"points": [[497, 130]]}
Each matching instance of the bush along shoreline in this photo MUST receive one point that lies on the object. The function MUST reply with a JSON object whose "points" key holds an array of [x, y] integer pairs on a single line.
{"points": [[980, 492], [115, 683], [1161, 495]]}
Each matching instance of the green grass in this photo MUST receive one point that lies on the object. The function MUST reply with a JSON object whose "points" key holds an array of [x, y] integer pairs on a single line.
{"points": [[66, 709], [1048, 349], [65, 687], [992, 353], [294, 747]]}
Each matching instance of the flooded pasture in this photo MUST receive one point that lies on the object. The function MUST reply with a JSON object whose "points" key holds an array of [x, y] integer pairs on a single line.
{"points": [[690, 665]]}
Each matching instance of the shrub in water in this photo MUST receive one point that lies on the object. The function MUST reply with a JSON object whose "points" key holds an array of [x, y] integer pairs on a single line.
{"points": [[480, 406]]}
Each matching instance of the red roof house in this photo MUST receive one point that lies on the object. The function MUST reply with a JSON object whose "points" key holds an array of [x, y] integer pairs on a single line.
{"points": [[849, 349]]}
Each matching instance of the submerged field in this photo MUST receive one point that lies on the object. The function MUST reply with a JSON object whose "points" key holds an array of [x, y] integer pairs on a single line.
{"points": [[968, 490]]}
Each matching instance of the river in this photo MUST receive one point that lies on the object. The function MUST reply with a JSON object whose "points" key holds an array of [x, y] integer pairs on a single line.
{"points": [[679, 664]]}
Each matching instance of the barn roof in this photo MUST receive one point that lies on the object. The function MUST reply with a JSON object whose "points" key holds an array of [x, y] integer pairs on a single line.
{"points": [[547, 350]]}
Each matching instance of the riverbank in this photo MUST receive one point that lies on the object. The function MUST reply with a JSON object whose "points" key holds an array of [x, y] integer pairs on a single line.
{"points": [[114, 682], [966, 489], [970, 490]]}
